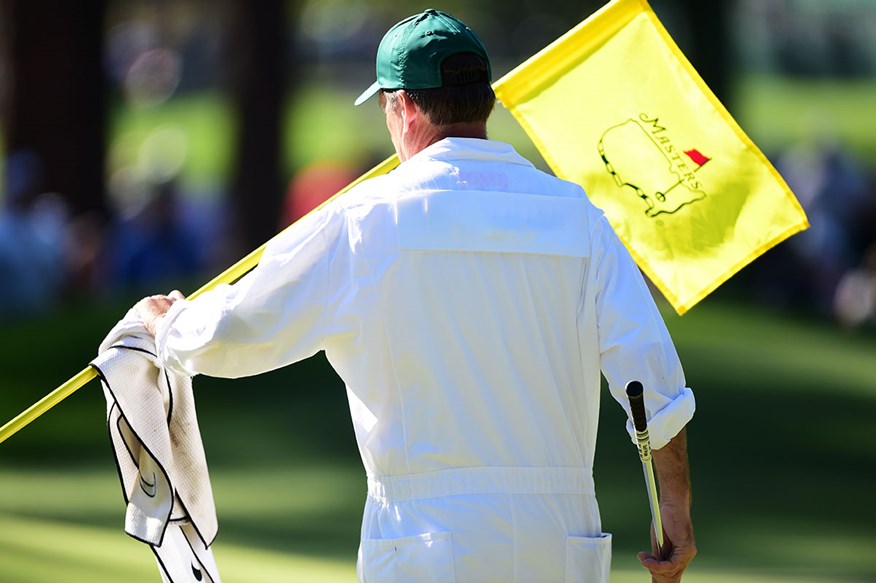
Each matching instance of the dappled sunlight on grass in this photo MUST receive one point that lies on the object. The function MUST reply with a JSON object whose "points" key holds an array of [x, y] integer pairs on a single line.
{"points": [[41, 550], [54, 551], [247, 564], [275, 525]]}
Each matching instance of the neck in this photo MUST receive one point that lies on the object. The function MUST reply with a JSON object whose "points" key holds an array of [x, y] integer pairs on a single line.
{"points": [[472, 130], [420, 140]]}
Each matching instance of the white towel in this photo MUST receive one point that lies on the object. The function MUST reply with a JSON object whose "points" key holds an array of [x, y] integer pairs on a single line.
{"points": [[154, 433]]}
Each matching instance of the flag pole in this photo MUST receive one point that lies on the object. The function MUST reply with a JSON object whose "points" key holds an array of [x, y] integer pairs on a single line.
{"points": [[229, 276], [47, 403]]}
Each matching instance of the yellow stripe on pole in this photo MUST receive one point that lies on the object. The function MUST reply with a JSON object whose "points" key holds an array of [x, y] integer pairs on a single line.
{"points": [[229, 276]]}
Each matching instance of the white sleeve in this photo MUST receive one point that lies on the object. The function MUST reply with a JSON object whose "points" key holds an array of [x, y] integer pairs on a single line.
{"points": [[277, 314], [634, 343]]}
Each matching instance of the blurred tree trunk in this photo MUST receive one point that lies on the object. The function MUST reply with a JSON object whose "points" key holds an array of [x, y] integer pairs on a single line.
{"points": [[710, 43], [258, 85], [55, 95]]}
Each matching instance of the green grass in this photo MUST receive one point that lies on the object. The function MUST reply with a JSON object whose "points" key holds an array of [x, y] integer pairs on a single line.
{"points": [[777, 112], [66, 526], [782, 469]]}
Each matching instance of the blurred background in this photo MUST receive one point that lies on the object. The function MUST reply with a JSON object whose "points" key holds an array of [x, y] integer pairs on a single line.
{"points": [[147, 145]]}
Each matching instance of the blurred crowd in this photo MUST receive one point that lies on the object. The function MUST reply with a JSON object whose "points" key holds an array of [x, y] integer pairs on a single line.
{"points": [[837, 254], [46, 254], [159, 238], [829, 270]]}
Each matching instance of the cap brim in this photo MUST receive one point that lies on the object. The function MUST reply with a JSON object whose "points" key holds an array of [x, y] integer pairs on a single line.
{"points": [[367, 93]]}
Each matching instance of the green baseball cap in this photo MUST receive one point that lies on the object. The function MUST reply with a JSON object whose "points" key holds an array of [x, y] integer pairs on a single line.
{"points": [[411, 52]]}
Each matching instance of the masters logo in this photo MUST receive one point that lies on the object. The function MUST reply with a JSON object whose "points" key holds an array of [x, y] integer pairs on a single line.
{"points": [[640, 155]]}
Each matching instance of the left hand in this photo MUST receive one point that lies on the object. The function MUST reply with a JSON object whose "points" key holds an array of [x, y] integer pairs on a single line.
{"points": [[679, 547], [152, 308]]}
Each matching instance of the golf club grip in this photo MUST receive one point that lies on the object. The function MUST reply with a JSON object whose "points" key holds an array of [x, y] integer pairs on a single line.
{"points": [[635, 393]]}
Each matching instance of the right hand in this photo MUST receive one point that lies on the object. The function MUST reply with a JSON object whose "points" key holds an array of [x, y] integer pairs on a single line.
{"points": [[152, 308]]}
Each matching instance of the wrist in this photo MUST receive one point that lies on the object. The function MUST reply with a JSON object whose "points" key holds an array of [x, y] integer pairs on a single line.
{"points": [[680, 503]]}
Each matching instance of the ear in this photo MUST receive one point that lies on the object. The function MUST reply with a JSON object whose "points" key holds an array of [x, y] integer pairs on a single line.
{"points": [[411, 114]]}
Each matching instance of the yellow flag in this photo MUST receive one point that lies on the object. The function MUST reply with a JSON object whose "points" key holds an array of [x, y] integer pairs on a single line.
{"points": [[616, 107]]}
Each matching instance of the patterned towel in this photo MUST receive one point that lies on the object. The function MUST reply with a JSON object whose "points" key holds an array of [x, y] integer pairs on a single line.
{"points": [[157, 444]]}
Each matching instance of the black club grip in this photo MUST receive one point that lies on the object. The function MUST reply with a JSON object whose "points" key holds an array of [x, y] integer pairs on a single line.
{"points": [[637, 405]]}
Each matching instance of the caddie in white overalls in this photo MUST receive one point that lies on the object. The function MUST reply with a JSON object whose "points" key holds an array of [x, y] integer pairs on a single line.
{"points": [[469, 302]]}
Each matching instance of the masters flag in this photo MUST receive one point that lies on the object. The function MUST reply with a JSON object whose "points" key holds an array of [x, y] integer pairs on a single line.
{"points": [[614, 106]]}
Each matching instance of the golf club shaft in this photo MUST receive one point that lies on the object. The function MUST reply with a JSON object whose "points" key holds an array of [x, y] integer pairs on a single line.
{"points": [[654, 503], [635, 393]]}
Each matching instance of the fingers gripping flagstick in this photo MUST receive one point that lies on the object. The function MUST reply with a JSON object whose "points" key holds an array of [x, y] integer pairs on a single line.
{"points": [[640, 422]]}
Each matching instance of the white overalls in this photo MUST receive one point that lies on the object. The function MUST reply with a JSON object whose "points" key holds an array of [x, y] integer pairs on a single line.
{"points": [[469, 302]]}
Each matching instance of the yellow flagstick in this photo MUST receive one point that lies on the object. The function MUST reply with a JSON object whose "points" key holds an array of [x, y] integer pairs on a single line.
{"points": [[230, 275], [47, 403]]}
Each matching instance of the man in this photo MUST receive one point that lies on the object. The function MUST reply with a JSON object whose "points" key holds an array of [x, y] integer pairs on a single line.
{"points": [[469, 302]]}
